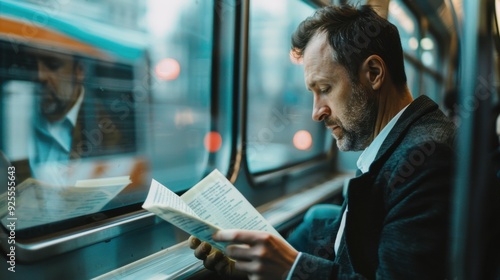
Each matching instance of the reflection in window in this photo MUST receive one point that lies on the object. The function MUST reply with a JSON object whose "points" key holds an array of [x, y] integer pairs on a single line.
{"points": [[64, 106], [280, 128], [89, 115]]}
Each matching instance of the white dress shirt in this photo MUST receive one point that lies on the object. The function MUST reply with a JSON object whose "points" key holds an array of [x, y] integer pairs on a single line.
{"points": [[52, 141]]}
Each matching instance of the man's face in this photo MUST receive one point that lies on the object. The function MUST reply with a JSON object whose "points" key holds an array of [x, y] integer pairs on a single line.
{"points": [[348, 109], [60, 78]]}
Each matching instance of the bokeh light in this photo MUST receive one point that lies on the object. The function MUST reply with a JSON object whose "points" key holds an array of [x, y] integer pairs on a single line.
{"points": [[302, 140], [168, 69], [212, 141], [413, 43], [427, 44]]}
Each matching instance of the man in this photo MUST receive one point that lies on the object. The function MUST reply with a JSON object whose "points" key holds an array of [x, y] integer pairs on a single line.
{"points": [[69, 123], [394, 221], [59, 98]]}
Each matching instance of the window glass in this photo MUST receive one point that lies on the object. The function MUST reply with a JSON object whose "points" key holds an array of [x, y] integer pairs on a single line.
{"points": [[407, 25], [280, 128], [88, 116], [412, 78], [431, 88], [426, 49], [429, 52], [181, 50]]}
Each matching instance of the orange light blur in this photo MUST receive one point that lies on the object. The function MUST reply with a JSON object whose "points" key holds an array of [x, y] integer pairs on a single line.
{"points": [[302, 140], [29, 33], [168, 69], [212, 141]]}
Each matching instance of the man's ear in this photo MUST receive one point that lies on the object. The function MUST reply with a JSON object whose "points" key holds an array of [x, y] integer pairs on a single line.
{"points": [[373, 71]]}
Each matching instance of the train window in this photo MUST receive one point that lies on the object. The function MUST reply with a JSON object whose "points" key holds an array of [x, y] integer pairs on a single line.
{"points": [[412, 77], [280, 129], [432, 88], [180, 105], [422, 57], [407, 25], [429, 54], [430, 58], [90, 115]]}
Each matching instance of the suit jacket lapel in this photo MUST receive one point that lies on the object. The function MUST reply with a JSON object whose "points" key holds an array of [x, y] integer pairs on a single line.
{"points": [[419, 107], [362, 220]]}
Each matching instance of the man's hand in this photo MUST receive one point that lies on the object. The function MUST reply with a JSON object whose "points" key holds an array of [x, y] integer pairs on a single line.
{"points": [[258, 254], [214, 259]]}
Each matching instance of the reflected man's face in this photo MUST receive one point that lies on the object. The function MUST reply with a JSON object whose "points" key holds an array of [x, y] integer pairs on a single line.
{"points": [[61, 79]]}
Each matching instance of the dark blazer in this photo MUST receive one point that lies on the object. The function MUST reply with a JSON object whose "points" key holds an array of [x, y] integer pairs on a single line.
{"points": [[397, 226]]}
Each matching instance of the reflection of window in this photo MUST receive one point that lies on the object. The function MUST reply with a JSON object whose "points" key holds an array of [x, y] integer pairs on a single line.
{"points": [[105, 101], [280, 128]]}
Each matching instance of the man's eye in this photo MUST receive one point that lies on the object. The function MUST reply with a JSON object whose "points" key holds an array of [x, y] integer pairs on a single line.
{"points": [[324, 90]]}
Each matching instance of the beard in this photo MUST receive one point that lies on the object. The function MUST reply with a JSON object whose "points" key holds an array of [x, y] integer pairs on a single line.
{"points": [[53, 107], [359, 120]]}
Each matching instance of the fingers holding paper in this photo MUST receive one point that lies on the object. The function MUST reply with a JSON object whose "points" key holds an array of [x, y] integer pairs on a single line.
{"points": [[214, 259], [259, 254]]}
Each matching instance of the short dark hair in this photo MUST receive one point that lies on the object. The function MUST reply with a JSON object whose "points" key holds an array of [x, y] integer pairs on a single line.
{"points": [[354, 33]]}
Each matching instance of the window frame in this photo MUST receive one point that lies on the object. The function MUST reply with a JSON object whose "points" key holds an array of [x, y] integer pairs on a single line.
{"points": [[307, 171]]}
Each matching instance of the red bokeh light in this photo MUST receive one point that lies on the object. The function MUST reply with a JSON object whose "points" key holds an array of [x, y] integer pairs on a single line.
{"points": [[212, 141], [168, 69], [302, 140]]}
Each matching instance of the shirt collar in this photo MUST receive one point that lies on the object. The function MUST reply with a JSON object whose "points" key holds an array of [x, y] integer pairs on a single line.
{"points": [[369, 154], [72, 115], [60, 131]]}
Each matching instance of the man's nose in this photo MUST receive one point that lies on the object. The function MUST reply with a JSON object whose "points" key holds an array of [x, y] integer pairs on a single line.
{"points": [[320, 112]]}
